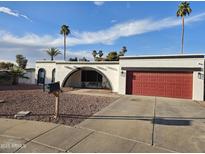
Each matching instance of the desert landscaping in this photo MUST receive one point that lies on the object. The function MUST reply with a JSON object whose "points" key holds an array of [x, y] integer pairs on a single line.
{"points": [[73, 109]]}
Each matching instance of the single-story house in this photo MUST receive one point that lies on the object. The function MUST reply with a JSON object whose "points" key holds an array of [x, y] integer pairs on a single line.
{"points": [[177, 76]]}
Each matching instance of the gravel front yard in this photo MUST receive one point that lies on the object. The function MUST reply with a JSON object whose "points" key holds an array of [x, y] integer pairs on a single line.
{"points": [[73, 108]]}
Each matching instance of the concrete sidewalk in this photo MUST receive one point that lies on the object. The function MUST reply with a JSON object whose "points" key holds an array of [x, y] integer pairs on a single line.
{"points": [[31, 136]]}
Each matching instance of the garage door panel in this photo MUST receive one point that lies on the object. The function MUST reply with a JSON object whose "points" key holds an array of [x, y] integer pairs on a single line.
{"points": [[166, 84]]}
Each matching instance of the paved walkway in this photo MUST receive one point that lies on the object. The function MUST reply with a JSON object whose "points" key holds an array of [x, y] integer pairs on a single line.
{"points": [[94, 92], [130, 124]]}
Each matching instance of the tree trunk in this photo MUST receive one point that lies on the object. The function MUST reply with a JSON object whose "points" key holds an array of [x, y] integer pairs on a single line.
{"points": [[51, 58], [64, 47], [15, 80], [182, 48]]}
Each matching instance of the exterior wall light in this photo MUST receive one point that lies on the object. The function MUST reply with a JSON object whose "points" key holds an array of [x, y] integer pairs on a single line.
{"points": [[122, 72], [200, 76]]}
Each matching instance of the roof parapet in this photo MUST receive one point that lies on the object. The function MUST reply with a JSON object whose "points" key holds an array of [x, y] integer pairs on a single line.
{"points": [[79, 62], [163, 56]]}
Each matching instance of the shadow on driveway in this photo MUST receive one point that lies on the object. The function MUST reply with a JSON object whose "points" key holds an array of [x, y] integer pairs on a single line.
{"points": [[175, 122]]}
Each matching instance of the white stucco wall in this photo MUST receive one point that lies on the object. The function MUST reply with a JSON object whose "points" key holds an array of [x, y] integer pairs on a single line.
{"points": [[198, 84], [109, 69], [198, 87], [48, 66]]}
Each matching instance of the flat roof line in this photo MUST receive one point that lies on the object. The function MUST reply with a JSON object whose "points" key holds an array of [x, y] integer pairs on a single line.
{"points": [[163, 69], [163, 56], [104, 62], [74, 62]]}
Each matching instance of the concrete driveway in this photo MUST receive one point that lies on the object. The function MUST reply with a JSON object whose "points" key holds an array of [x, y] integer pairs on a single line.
{"points": [[167, 125], [130, 124]]}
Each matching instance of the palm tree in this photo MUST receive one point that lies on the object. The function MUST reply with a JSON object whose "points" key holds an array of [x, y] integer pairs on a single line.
{"points": [[100, 53], [15, 73], [183, 10], [94, 53], [123, 51], [53, 52], [65, 31]]}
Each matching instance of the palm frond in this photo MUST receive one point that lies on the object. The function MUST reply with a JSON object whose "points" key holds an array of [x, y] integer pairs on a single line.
{"points": [[183, 9], [65, 30]]}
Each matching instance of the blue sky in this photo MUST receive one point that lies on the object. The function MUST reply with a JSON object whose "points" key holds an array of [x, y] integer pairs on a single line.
{"points": [[145, 28]]}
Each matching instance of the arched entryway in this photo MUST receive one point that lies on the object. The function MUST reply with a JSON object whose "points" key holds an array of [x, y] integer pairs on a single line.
{"points": [[87, 77], [41, 76]]}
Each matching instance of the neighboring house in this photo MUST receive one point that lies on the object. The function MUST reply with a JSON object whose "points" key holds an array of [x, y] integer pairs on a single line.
{"points": [[5, 79], [30, 73], [177, 76]]}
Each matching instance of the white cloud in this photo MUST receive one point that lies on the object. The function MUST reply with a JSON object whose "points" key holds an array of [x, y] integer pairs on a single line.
{"points": [[130, 28], [29, 40], [105, 36], [37, 53], [98, 3], [13, 13], [80, 54]]}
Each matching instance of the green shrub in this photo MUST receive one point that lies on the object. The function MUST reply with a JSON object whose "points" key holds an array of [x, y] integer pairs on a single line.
{"points": [[5, 78]]}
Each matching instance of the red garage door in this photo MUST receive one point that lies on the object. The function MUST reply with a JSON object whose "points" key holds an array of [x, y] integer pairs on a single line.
{"points": [[165, 84]]}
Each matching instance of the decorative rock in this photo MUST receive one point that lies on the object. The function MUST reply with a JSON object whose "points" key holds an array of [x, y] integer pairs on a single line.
{"points": [[22, 114], [2, 101]]}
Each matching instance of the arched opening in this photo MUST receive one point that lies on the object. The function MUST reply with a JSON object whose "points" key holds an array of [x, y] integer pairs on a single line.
{"points": [[41, 76], [87, 77], [53, 75]]}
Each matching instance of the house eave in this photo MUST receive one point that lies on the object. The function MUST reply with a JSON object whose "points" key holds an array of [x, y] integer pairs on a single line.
{"points": [[80, 62], [164, 56], [163, 69]]}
